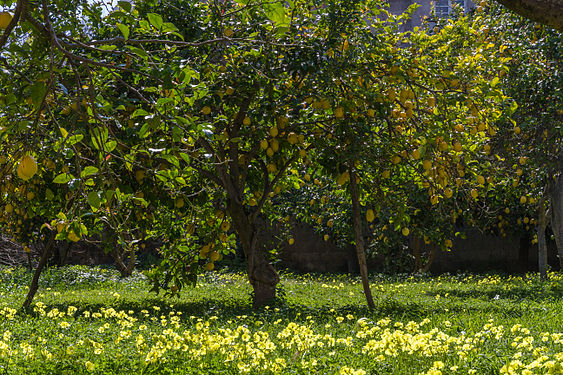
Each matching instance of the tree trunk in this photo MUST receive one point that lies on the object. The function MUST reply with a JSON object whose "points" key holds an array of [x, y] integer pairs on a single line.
{"points": [[546, 12], [35, 281], [556, 199], [433, 250], [261, 274], [359, 236], [542, 245], [124, 269]]}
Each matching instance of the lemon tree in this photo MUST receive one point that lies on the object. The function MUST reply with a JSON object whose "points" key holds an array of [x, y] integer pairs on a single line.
{"points": [[526, 153]]}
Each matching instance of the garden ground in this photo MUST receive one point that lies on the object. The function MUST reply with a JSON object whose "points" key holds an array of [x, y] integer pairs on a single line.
{"points": [[88, 320]]}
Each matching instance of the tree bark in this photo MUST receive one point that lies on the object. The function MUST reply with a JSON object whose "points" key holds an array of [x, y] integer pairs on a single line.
{"points": [[124, 269], [556, 200], [546, 12], [358, 236], [35, 281], [542, 245], [431, 256], [261, 274]]}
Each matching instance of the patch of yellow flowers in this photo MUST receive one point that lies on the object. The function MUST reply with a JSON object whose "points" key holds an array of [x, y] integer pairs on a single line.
{"points": [[251, 346]]}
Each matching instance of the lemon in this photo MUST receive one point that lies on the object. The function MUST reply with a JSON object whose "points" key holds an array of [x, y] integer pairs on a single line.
{"points": [[291, 241], [343, 178], [339, 112], [210, 266], [292, 138], [139, 175], [5, 19], [370, 215], [27, 167], [73, 236], [405, 231], [206, 110], [214, 256], [179, 203], [225, 226]]}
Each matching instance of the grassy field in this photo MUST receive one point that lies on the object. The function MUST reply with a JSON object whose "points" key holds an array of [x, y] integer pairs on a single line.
{"points": [[87, 320]]}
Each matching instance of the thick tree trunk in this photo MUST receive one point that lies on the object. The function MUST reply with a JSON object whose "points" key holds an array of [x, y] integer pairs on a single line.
{"points": [[556, 200], [35, 280], [547, 12], [542, 245], [261, 274], [359, 237], [124, 269]]}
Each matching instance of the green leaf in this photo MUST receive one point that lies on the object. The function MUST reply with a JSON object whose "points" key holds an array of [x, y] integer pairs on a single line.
{"points": [[276, 12], [110, 146], [94, 200], [37, 93], [63, 178], [74, 139], [88, 171], [124, 30], [139, 112], [125, 5], [99, 137], [155, 20]]}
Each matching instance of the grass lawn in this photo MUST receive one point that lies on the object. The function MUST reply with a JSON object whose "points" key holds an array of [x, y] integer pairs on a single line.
{"points": [[87, 320]]}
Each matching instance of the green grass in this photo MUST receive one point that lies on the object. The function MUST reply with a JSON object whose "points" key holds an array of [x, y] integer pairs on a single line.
{"points": [[88, 320]]}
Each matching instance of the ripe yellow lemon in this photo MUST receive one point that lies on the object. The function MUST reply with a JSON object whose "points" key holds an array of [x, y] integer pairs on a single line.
{"points": [[27, 167], [5, 19], [370, 215], [214, 256], [291, 241], [209, 266], [179, 202], [343, 178], [73, 236], [225, 226], [405, 231], [339, 112]]}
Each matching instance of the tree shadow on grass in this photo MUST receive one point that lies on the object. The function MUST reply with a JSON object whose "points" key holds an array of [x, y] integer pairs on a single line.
{"points": [[536, 292]]}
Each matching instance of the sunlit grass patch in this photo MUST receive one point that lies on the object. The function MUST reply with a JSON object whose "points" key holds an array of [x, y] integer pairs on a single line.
{"points": [[464, 324]]}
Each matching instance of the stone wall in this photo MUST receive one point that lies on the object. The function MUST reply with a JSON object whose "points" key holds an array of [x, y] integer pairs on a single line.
{"points": [[310, 253]]}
